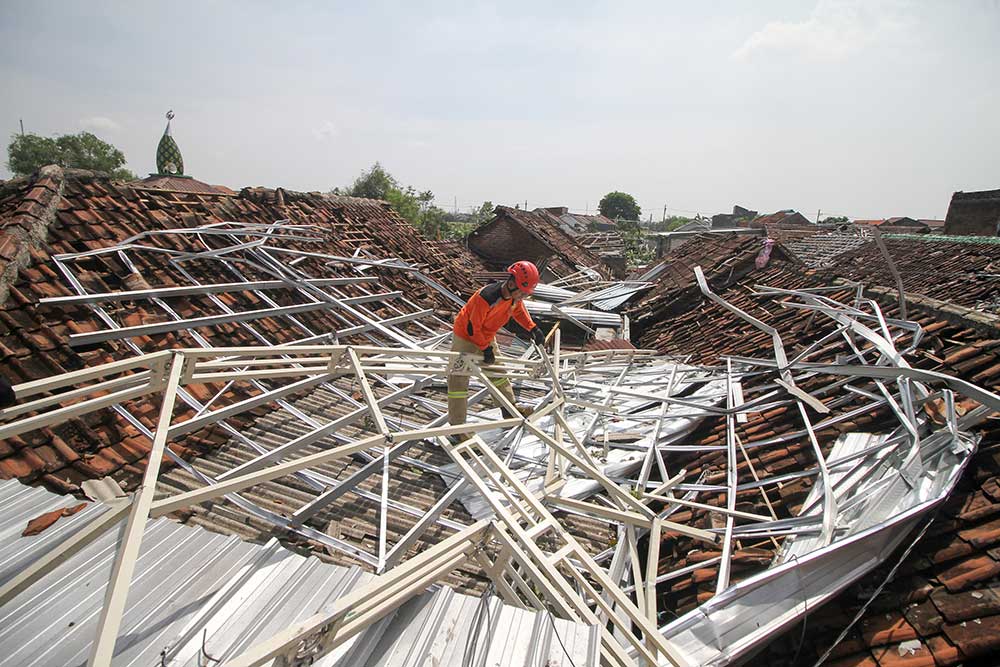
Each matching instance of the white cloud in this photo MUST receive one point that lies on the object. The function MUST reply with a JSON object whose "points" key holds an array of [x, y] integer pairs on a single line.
{"points": [[98, 124], [326, 131], [835, 29]]}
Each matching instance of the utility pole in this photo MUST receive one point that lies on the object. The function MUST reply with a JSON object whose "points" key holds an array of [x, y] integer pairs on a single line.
{"points": [[21, 120], [525, 204], [818, 211], [664, 213], [456, 205]]}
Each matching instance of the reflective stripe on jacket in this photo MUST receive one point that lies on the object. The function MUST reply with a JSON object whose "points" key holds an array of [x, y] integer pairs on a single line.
{"points": [[485, 313]]}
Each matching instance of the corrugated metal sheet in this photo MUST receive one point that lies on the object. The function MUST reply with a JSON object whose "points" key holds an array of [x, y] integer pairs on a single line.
{"points": [[197, 594]]}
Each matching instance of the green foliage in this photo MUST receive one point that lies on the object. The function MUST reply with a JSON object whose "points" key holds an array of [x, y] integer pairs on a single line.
{"points": [[27, 153], [636, 251], [482, 215], [376, 183], [415, 207], [838, 219], [670, 224], [619, 206]]}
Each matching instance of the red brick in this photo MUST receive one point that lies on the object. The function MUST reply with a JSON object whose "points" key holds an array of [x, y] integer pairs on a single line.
{"points": [[65, 451], [950, 549], [991, 488], [944, 653], [15, 466], [925, 618], [895, 656], [60, 483], [102, 465], [984, 535], [9, 245], [137, 447], [977, 507], [36, 462], [705, 574], [40, 523], [958, 607], [51, 458], [976, 637], [969, 572], [849, 646], [886, 628]]}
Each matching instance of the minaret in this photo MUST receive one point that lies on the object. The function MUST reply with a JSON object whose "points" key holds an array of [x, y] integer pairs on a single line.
{"points": [[170, 170], [168, 156]]}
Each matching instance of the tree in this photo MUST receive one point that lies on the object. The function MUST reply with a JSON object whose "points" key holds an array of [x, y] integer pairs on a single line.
{"points": [[619, 206], [415, 207], [835, 220], [669, 224], [376, 183], [483, 214], [27, 153], [636, 251]]}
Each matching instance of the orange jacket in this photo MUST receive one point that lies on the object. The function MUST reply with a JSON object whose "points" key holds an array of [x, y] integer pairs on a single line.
{"points": [[483, 315]]}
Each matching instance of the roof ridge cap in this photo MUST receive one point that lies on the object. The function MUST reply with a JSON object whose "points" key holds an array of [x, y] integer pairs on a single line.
{"points": [[29, 225]]}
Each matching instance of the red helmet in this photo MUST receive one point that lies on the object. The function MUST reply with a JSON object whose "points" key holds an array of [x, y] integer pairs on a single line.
{"points": [[525, 275]]}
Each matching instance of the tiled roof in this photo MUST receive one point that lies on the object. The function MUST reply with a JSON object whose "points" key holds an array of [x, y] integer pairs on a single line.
{"points": [[613, 344], [946, 585], [455, 252], [788, 217], [55, 212], [179, 184], [723, 257], [576, 223], [962, 272], [821, 249], [602, 242], [566, 253]]}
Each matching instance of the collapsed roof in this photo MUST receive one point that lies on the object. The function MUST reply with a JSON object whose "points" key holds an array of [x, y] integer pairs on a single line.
{"points": [[305, 400], [537, 236]]}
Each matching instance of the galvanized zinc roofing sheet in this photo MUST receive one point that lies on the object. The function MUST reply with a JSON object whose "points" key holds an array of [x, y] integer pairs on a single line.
{"points": [[199, 597]]}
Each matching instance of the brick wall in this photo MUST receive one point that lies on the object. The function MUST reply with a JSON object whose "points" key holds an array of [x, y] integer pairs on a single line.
{"points": [[973, 214], [503, 242]]}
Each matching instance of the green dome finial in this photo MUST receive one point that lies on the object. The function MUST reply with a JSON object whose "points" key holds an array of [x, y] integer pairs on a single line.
{"points": [[168, 156]]}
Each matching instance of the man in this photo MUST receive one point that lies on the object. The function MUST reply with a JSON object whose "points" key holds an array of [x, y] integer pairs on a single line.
{"points": [[477, 323]]}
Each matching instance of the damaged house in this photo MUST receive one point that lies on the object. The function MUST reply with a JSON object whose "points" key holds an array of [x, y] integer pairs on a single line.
{"points": [[231, 407], [537, 236]]}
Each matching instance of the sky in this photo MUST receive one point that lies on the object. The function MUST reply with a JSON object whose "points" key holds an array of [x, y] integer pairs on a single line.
{"points": [[868, 109]]}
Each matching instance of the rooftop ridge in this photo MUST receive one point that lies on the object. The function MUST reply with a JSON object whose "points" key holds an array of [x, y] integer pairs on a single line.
{"points": [[990, 240]]}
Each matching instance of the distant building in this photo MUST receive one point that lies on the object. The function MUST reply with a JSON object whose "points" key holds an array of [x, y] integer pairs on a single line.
{"points": [[897, 225], [974, 214], [786, 219], [514, 234], [738, 218], [578, 223], [935, 226]]}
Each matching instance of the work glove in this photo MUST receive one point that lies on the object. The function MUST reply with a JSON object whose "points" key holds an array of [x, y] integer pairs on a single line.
{"points": [[538, 336], [489, 356]]}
